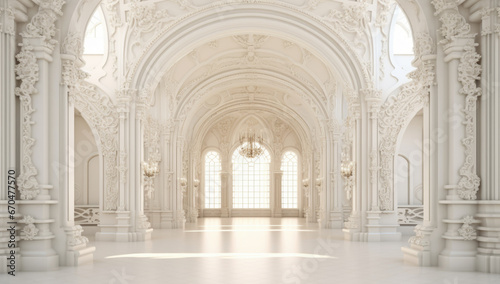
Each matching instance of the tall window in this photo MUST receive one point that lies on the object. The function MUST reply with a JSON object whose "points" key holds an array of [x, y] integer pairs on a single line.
{"points": [[251, 181], [212, 180], [289, 181], [95, 35], [402, 42]]}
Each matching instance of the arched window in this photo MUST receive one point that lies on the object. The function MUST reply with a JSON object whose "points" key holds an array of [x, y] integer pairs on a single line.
{"points": [[95, 34], [251, 180], [289, 181], [402, 37], [212, 180]]}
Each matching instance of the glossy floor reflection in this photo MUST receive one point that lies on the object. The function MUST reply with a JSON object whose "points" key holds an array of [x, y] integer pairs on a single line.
{"points": [[249, 250]]}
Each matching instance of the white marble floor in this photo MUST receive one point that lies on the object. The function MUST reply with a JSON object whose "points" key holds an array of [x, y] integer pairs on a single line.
{"points": [[249, 250]]}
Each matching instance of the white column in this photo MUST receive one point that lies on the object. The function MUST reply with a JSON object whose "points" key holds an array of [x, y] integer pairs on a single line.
{"points": [[461, 66], [352, 228], [34, 181], [142, 226], [419, 250], [278, 176], [334, 196], [488, 257], [224, 180], [7, 133]]}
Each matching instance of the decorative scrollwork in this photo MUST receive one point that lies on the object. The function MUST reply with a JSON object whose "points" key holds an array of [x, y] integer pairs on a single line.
{"points": [[87, 215]]}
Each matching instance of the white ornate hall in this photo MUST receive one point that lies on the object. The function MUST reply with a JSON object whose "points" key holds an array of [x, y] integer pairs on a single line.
{"points": [[250, 141]]}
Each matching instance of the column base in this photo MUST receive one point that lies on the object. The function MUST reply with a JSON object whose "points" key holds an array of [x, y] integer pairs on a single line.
{"points": [[140, 236], [381, 233], [488, 258], [416, 256], [77, 252], [418, 253], [488, 263], [80, 256], [458, 263]]}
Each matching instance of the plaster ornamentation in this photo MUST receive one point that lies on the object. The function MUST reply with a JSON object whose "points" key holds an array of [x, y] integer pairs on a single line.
{"points": [[75, 237], [113, 9], [7, 21], [384, 8], [144, 17], [397, 111], [374, 167], [486, 15], [27, 71], [455, 26], [112, 12], [189, 8], [99, 112], [468, 72], [441, 5], [420, 238], [352, 19], [142, 223], [467, 232], [352, 223], [42, 25], [122, 166], [29, 231], [224, 128]]}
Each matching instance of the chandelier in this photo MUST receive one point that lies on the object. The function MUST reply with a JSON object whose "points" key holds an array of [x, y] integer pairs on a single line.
{"points": [[251, 144]]}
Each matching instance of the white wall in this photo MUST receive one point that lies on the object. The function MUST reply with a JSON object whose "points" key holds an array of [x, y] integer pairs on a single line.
{"points": [[86, 164], [411, 148]]}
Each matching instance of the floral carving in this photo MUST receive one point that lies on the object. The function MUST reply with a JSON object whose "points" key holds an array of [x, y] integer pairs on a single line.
{"points": [[467, 232], [468, 72], [27, 72], [30, 230], [454, 25], [353, 19], [75, 237], [420, 238], [43, 23]]}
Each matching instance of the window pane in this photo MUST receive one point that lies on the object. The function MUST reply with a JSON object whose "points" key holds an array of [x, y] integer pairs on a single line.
{"points": [[289, 182], [95, 34], [212, 180], [251, 181]]}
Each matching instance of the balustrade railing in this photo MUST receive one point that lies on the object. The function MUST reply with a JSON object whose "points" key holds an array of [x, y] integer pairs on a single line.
{"points": [[86, 214], [410, 214]]}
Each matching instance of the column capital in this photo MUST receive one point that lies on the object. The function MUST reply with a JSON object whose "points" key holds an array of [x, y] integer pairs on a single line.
{"points": [[19, 9], [7, 20], [42, 25]]}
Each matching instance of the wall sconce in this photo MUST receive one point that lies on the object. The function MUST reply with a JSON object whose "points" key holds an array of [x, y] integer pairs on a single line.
{"points": [[347, 172], [183, 182], [319, 181], [150, 168], [346, 168]]}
